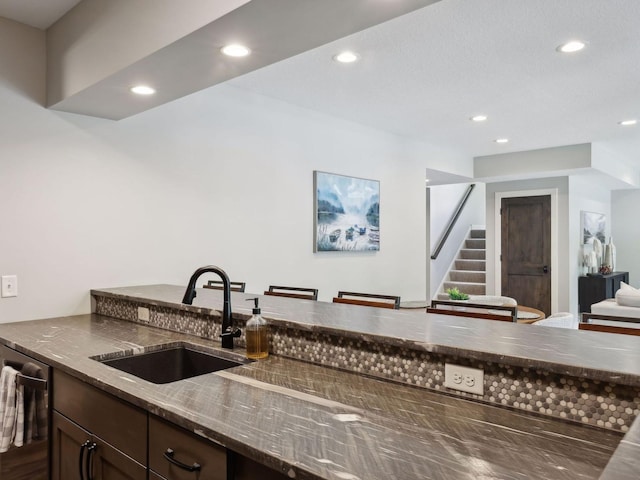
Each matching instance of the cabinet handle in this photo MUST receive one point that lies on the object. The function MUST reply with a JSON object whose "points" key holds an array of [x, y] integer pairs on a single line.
{"points": [[189, 468], [81, 458], [90, 450]]}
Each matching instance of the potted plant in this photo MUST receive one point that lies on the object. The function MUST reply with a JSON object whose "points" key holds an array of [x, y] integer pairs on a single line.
{"points": [[455, 294]]}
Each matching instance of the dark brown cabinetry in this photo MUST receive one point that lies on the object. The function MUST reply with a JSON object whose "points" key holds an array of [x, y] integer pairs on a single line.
{"points": [[79, 455], [246, 469], [178, 454], [95, 435], [594, 289]]}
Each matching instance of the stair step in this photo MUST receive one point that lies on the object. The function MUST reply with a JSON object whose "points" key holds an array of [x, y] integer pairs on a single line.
{"points": [[467, 276], [467, 287], [475, 243], [472, 254], [473, 265], [478, 234]]}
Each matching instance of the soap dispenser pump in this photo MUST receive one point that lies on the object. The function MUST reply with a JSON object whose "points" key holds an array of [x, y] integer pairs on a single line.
{"points": [[256, 334]]}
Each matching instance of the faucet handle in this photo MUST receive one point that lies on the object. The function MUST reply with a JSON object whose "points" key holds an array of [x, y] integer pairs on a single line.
{"points": [[232, 332]]}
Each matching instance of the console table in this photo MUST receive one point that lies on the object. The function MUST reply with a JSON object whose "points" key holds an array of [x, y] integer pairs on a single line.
{"points": [[595, 288]]}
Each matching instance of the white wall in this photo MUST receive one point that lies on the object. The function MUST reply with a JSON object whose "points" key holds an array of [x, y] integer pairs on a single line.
{"points": [[220, 177], [585, 193], [625, 229], [444, 200]]}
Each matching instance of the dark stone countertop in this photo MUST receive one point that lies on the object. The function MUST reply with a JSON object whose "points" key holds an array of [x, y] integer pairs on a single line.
{"points": [[610, 358], [314, 422]]}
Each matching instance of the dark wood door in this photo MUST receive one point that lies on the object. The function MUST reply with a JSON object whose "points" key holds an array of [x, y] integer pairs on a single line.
{"points": [[67, 439], [526, 250]]}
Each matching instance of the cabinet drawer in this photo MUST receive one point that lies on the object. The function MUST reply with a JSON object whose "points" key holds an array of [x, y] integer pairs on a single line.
{"points": [[187, 449], [117, 422]]}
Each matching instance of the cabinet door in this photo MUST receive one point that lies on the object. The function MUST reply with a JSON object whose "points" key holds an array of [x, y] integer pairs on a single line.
{"points": [[108, 463], [67, 440]]}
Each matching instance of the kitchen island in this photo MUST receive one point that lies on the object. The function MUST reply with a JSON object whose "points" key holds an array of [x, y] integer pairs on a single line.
{"points": [[305, 420]]}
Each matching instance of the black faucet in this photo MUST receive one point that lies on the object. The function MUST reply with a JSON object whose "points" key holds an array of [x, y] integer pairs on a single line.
{"points": [[228, 331]]}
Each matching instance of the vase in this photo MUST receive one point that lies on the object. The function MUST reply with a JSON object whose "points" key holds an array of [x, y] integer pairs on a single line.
{"points": [[612, 251], [607, 261]]}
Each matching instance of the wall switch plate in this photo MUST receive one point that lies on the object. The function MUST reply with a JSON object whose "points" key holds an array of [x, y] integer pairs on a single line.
{"points": [[143, 314], [464, 379], [9, 286]]}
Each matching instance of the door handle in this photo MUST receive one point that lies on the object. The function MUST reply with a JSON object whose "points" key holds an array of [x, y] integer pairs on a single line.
{"points": [[81, 458], [545, 269], [189, 468], [90, 450]]}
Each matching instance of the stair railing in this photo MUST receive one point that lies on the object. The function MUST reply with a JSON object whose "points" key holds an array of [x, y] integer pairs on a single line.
{"points": [[453, 221]]}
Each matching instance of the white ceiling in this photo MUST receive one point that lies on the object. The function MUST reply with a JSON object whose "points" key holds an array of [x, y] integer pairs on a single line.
{"points": [[424, 74], [36, 13]]}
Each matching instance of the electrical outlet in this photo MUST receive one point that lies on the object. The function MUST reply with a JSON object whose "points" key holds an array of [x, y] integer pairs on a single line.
{"points": [[465, 379], [9, 286], [143, 314]]}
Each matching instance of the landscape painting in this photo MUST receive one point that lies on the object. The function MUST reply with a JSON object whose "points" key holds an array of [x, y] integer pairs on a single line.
{"points": [[347, 213], [593, 226]]}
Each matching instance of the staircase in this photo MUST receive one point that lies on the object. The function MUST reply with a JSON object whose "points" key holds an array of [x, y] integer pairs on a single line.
{"points": [[469, 270]]}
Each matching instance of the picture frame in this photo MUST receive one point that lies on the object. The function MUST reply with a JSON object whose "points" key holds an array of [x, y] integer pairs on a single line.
{"points": [[593, 225], [346, 213]]}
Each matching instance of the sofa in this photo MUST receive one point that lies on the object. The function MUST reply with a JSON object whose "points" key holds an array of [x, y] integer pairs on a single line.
{"points": [[625, 304]]}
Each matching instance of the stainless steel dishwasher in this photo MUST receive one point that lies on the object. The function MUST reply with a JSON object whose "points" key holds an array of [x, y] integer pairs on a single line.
{"points": [[30, 461]]}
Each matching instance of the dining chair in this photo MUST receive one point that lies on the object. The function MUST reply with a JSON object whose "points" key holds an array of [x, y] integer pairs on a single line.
{"points": [[610, 324], [368, 299], [559, 320], [218, 285], [293, 292], [503, 313]]}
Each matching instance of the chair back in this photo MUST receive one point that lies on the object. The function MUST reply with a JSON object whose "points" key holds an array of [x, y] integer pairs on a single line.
{"points": [[610, 324], [218, 285], [503, 313], [368, 300], [293, 292], [559, 320]]}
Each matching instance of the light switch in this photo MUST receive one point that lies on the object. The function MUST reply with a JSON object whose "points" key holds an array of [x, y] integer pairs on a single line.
{"points": [[9, 286]]}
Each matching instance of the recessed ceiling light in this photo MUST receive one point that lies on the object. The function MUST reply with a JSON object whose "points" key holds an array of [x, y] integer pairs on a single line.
{"points": [[235, 50], [571, 47], [143, 90], [626, 123], [346, 57], [426, 180], [502, 140], [478, 118]]}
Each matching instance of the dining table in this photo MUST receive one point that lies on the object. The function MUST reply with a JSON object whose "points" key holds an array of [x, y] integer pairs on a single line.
{"points": [[529, 314]]}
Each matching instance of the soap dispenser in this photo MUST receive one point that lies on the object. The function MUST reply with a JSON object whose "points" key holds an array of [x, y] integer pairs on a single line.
{"points": [[256, 334]]}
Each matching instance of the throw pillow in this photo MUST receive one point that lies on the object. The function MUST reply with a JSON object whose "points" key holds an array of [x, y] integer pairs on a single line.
{"points": [[628, 296]]}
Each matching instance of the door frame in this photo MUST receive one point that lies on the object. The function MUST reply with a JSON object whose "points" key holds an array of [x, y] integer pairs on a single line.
{"points": [[553, 192]]}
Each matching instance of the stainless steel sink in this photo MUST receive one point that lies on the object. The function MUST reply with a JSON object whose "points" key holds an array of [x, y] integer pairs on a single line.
{"points": [[169, 364]]}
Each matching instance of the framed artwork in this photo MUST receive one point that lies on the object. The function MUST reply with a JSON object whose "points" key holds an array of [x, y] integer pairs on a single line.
{"points": [[346, 213], [593, 225]]}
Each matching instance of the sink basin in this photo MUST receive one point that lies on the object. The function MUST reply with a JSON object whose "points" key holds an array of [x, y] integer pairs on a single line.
{"points": [[170, 365]]}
